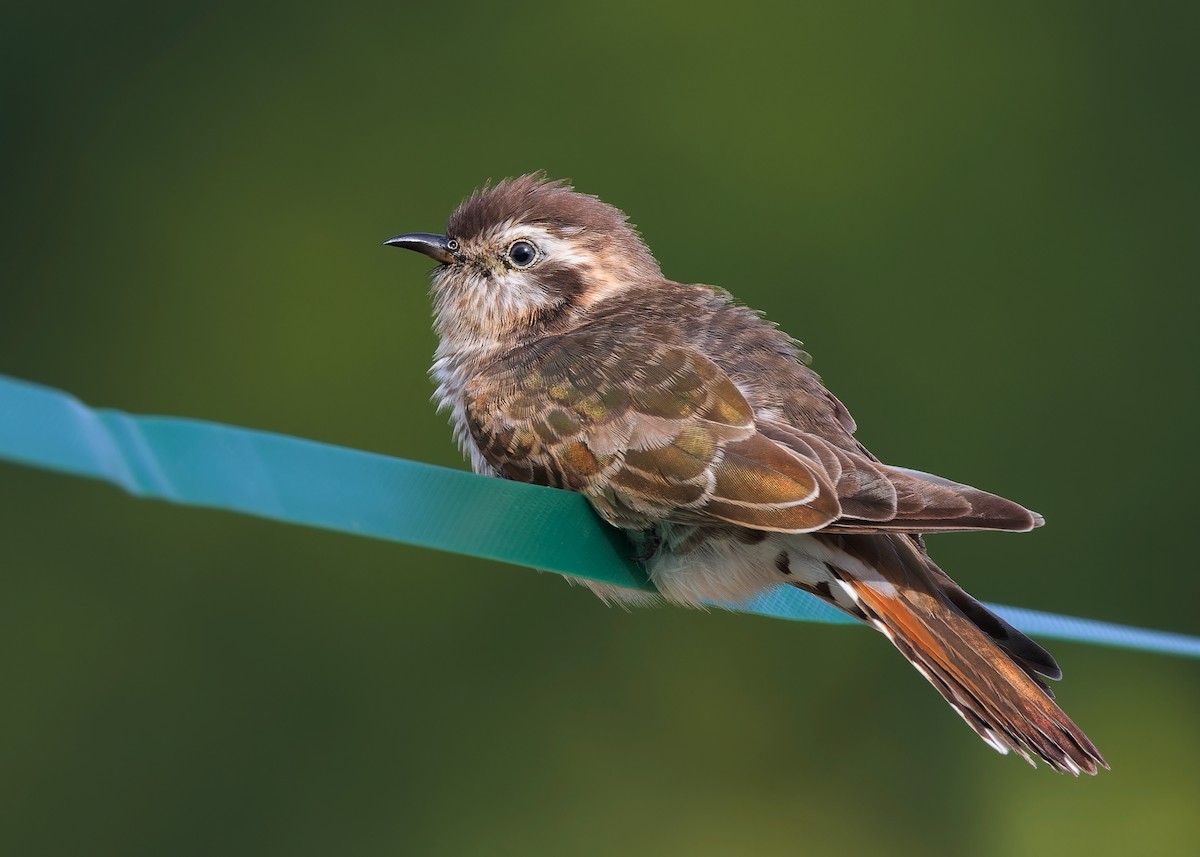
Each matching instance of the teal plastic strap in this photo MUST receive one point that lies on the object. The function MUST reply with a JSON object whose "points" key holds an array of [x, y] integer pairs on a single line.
{"points": [[298, 481]]}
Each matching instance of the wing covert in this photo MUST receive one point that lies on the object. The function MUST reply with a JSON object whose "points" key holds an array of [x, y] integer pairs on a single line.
{"points": [[647, 434]]}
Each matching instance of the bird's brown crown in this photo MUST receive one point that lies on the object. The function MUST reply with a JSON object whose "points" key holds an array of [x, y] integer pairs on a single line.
{"points": [[552, 203]]}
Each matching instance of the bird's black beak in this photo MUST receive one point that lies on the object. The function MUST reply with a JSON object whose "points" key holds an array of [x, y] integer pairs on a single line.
{"points": [[438, 247]]}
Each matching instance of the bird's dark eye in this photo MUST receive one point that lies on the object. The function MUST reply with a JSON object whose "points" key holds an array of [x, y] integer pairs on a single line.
{"points": [[522, 254], [452, 245]]}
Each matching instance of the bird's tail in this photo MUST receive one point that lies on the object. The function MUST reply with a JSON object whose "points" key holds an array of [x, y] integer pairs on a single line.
{"points": [[988, 671]]}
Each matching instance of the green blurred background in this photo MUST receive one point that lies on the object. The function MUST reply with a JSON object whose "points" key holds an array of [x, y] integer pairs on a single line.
{"points": [[980, 218]]}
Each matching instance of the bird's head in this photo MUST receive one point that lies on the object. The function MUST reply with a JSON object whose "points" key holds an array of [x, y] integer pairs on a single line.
{"points": [[527, 256]]}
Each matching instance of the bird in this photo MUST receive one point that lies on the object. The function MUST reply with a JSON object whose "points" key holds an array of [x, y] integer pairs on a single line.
{"points": [[566, 358]]}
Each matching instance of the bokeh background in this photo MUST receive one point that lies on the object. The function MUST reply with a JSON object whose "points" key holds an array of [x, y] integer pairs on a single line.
{"points": [[980, 218]]}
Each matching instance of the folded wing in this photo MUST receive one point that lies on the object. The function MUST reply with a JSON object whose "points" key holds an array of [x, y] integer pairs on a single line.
{"points": [[660, 432], [648, 434]]}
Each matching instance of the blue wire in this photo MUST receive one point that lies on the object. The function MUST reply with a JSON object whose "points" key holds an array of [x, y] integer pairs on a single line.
{"points": [[304, 482]]}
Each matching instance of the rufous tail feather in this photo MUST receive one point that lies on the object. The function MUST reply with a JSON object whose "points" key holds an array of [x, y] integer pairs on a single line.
{"points": [[987, 670]]}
